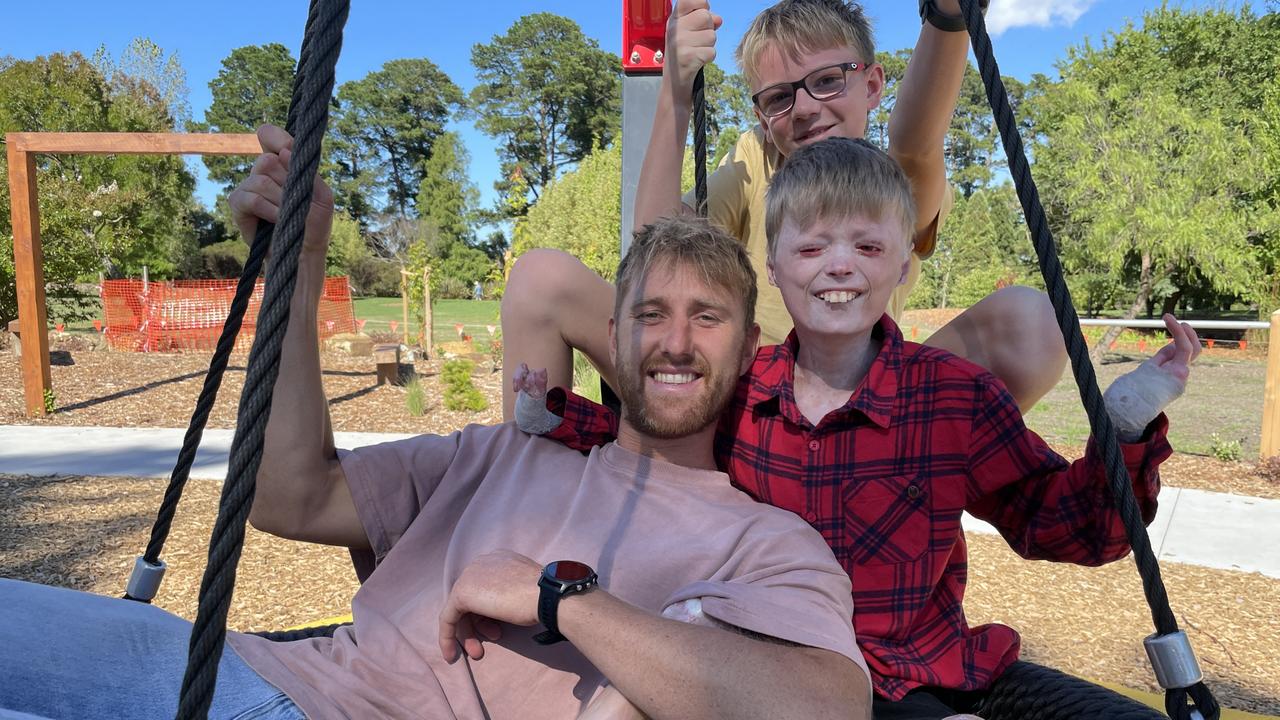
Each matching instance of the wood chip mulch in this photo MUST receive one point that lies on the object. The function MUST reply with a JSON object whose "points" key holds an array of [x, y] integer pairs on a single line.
{"points": [[84, 532]]}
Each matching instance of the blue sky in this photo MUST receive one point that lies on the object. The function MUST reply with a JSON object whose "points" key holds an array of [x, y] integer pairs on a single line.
{"points": [[1033, 35]]}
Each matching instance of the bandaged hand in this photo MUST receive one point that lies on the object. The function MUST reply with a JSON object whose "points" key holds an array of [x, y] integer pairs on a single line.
{"points": [[532, 415], [1137, 397]]}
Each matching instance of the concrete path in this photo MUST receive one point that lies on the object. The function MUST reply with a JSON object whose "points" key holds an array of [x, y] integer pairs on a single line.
{"points": [[1216, 530]]}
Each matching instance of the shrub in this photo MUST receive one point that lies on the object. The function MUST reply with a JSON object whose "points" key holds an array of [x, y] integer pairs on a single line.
{"points": [[460, 392], [1228, 450], [415, 398], [374, 277], [224, 260], [1269, 469]]}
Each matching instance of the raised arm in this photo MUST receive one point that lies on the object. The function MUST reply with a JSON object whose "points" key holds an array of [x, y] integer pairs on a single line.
{"points": [[302, 492], [691, 44], [921, 115], [1047, 509]]}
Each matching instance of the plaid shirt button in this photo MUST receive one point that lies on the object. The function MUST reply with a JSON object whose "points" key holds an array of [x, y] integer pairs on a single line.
{"points": [[814, 445]]}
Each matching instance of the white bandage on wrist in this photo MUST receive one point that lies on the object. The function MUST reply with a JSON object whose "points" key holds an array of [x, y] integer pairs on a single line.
{"points": [[1137, 397], [532, 415]]}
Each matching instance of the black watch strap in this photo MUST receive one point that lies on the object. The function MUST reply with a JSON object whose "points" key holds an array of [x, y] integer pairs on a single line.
{"points": [[930, 13], [548, 603], [564, 577]]}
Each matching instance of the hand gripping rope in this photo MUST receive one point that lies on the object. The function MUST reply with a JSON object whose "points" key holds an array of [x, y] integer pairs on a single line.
{"points": [[307, 120]]}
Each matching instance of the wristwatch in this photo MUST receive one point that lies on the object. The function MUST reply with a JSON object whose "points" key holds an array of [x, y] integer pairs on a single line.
{"points": [[930, 13], [560, 578]]}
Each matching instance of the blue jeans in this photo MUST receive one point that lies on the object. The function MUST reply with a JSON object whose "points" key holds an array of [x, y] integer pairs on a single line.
{"points": [[70, 654]]}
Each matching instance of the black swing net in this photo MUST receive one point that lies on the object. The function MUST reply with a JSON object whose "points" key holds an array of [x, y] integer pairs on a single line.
{"points": [[1025, 690]]}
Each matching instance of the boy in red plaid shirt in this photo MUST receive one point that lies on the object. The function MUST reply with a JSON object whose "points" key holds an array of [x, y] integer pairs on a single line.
{"points": [[883, 453]]}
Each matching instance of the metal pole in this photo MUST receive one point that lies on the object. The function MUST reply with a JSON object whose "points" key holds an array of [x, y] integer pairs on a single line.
{"points": [[644, 24]]}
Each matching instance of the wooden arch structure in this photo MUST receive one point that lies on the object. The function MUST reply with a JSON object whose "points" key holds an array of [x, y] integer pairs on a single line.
{"points": [[28, 255]]}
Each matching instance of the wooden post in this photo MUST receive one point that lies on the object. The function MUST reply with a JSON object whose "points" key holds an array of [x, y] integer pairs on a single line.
{"points": [[429, 323], [28, 260], [404, 302], [1271, 395]]}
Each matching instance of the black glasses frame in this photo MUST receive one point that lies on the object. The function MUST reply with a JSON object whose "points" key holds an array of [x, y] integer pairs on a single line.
{"points": [[796, 85]]}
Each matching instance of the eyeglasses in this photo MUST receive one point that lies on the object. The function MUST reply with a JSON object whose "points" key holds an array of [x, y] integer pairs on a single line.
{"points": [[821, 84]]}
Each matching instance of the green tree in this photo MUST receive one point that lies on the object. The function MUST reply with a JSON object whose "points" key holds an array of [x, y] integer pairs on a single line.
{"points": [[1219, 64], [983, 245], [547, 93], [895, 66], [581, 212], [253, 87], [398, 112], [728, 111], [446, 208], [98, 213], [1148, 191], [347, 245], [143, 80], [446, 197]]}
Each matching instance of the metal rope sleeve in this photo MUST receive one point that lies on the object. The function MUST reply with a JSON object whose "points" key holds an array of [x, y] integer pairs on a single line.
{"points": [[312, 89], [1086, 380]]}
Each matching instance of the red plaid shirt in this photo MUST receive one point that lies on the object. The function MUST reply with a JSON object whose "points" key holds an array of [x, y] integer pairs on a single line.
{"points": [[925, 436]]}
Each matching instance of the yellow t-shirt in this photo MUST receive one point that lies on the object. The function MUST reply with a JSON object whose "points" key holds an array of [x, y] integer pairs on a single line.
{"points": [[735, 201]]}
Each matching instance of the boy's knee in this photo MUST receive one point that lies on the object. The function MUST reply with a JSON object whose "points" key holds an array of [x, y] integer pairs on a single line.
{"points": [[1024, 312], [535, 280]]}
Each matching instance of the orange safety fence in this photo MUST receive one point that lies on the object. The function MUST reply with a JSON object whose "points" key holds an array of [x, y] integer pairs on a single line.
{"points": [[189, 314]]}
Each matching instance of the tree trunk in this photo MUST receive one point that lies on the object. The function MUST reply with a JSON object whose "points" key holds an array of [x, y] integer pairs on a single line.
{"points": [[1144, 292]]}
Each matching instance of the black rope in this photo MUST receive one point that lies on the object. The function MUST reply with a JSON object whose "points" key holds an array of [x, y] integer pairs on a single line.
{"points": [[222, 351], [208, 395], [309, 112], [1077, 350], [1033, 692], [300, 633], [699, 145]]}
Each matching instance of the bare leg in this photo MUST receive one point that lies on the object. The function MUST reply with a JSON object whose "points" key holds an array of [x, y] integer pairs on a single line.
{"points": [[1014, 334], [553, 304]]}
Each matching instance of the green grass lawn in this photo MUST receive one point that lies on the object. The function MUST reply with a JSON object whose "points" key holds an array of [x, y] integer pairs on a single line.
{"points": [[1223, 399], [475, 316]]}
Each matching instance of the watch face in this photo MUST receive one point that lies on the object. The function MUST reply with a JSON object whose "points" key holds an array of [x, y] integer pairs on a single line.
{"points": [[568, 571]]}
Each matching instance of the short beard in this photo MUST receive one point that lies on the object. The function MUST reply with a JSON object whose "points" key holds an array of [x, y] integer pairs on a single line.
{"points": [[706, 411]]}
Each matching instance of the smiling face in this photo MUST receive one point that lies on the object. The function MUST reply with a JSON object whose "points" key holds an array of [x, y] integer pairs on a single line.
{"points": [[810, 120], [836, 275], [679, 346]]}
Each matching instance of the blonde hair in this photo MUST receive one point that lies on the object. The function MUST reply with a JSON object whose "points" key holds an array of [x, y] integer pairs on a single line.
{"points": [[838, 178], [688, 241], [799, 26]]}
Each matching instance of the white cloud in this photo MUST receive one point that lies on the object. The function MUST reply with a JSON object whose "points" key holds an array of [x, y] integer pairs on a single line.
{"points": [[1006, 14]]}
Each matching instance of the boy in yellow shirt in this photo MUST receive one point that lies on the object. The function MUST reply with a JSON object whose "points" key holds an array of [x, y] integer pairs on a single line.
{"points": [[812, 74]]}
